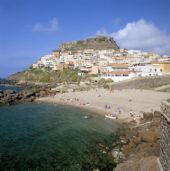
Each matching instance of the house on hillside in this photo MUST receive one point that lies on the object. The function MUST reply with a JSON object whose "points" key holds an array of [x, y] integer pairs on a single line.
{"points": [[56, 53], [94, 70], [58, 67], [146, 69], [164, 66], [117, 72], [120, 59]]}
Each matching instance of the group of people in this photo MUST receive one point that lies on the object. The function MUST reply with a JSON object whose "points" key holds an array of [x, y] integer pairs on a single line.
{"points": [[107, 106]]}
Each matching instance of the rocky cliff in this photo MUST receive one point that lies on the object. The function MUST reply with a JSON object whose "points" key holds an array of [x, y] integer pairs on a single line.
{"points": [[99, 43]]}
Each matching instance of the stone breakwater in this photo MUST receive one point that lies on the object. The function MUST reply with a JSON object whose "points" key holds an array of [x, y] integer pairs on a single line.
{"points": [[165, 136], [12, 97]]}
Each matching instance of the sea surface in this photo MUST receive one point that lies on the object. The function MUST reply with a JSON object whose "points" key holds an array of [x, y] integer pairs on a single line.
{"points": [[17, 89], [46, 137]]}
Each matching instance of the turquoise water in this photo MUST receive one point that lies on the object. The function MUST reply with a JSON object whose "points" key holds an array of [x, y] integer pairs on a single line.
{"points": [[47, 137], [17, 89]]}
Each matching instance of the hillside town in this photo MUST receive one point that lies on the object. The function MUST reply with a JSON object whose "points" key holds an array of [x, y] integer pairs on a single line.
{"points": [[108, 63]]}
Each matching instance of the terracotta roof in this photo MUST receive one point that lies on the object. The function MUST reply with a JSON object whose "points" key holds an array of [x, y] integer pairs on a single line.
{"points": [[118, 65], [119, 72], [119, 57], [161, 62]]}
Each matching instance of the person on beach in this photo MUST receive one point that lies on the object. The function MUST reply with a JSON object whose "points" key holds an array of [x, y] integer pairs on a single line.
{"points": [[131, 114], [119, 111], [99, 95]]}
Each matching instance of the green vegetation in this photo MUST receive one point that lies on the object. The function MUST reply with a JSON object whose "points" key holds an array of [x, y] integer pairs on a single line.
{"points": [[99, 42], [105, 83], [144, 83], [46, 75], [168, 100], [66, 80]]}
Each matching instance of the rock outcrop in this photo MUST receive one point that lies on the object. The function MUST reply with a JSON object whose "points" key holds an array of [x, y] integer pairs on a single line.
{"points": [[142, 147], [145, 164], [99, 42], [144, 140], [12, 97]]}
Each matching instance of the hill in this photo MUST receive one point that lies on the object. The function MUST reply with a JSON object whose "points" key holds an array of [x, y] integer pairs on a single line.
{"points": [[48, 76], [99, 43], [143, 83], [44, 75]]}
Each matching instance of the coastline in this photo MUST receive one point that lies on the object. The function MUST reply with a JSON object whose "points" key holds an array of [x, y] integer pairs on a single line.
{"points": [[90, 109], [120, 103]]}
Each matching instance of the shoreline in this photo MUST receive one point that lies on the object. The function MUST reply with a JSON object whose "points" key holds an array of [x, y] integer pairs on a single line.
{"points": [[122, 103], [51, 100], [90, 109], [11, 85]]}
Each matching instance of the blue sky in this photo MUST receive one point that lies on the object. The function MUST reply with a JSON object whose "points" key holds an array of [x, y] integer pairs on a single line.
{"points": [[32, 28]]}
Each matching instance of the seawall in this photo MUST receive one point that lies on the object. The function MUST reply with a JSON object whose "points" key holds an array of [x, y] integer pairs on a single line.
{"points": [[165, 136]]}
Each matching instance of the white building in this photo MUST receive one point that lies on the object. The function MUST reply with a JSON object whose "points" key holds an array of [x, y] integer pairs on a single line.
{"points": [[117, 72], [46, 61], [147, 70]]}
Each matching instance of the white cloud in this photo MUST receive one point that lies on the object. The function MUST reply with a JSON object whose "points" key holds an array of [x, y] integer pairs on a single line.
{"points": [[52, 26], [142, 35]]}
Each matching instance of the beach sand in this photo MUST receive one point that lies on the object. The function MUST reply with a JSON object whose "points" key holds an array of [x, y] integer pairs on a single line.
{"points": [[123, 103]]}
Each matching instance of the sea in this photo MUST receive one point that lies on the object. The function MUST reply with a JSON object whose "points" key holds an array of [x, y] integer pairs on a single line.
{"points": [[48, 137], [15, 88]]}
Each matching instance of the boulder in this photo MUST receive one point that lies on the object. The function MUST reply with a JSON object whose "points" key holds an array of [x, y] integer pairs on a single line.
{"points": [[30, 99], [9, 92], [144, 164], [136, 140], [37, 94], [28, 94], [43, 93], [149, 135], [127, 148], [156, 122], [148, 116], [157, 114]]}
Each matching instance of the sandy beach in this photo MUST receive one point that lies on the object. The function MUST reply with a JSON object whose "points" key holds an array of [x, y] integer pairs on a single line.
{"points": [[123, 104]]}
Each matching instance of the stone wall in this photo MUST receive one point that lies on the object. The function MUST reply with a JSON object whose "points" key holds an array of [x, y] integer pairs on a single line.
{"points": [[165, 136]]}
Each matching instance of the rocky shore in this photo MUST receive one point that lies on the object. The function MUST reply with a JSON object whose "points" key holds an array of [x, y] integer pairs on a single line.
{"points": [[27, 95], [141, 144], [138, 148]]}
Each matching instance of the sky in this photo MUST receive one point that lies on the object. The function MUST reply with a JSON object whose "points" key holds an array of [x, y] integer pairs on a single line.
{"points": [[30, 29]]}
